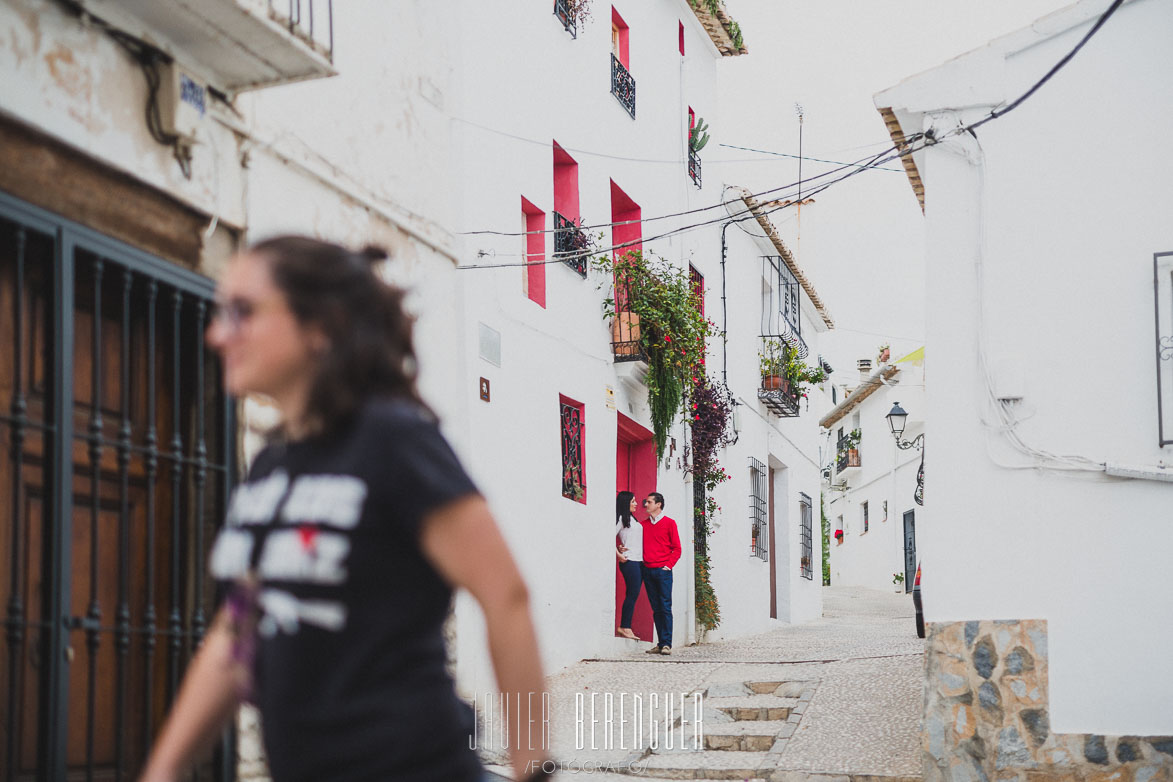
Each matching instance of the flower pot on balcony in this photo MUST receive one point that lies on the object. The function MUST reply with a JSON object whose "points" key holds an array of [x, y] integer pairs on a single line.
{"points": [[775, 383], [884, 354], [625, 334], [852, 457]]}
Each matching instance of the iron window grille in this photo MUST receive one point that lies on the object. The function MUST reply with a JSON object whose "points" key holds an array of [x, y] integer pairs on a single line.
{"points": [[864, 507], [694, 167], [781, 301], [1163, 293], [573, 475], [118, 471], [622, 85], [806, 536], [566, 16], [571, 244], [758, 510]]}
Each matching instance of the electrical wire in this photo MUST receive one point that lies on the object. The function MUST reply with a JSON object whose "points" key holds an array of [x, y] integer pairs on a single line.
{"points": [[906, 149], [676, 231], [858, 165], [805, 157]]}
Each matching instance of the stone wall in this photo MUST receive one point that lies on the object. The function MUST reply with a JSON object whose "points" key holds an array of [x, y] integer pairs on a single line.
{"points": [[986, 714]]}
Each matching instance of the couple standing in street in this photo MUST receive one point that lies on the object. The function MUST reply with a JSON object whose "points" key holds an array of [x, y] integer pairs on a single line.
{"points": [[647, 551]]}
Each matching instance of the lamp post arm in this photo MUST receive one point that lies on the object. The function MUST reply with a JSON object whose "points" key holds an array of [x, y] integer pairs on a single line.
{"points": [[917, 442]]}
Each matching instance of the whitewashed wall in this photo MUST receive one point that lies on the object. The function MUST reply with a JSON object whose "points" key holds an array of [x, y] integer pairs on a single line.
{"points": [[524, 76], [1060, 209], [886, 475]]}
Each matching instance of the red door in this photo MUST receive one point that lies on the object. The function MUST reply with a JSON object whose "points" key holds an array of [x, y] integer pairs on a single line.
{"points": [[635, 471]]}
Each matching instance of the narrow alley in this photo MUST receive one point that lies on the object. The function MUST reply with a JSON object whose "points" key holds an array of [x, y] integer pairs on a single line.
{"points": [[837, 699]]}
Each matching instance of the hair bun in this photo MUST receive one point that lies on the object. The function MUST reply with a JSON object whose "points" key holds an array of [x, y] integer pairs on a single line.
{"points": [[372, 253]]}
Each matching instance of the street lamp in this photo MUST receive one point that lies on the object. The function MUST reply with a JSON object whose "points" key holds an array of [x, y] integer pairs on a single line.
{"points": [[897, 417]]}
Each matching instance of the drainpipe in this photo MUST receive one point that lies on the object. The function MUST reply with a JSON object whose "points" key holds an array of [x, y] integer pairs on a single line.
{"points": [[724, 313]]}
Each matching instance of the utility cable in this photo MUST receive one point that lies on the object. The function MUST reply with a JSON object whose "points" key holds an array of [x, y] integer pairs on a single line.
{"points": [[858, 165], [673, 232]]}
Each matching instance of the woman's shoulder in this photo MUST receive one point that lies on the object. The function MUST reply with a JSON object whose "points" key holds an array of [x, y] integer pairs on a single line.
{"points": [[386, 415]]}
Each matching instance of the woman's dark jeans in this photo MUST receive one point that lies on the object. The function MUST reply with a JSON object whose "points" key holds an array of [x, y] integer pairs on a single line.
{"points": [[633, 577]]}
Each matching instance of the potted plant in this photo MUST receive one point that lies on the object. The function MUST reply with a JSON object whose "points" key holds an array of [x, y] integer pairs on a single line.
{"points": [[851, 447], [773, 364], [804, 563], [884, 353], [698, 136], [898, 582], [839, 536]]}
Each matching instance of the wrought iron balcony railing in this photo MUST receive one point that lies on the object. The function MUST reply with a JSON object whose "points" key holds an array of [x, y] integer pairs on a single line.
{"points": [[571, 245], [694, 167], [625, 329], [564, 14], [848, 454], [781, 402], [622, 85]]}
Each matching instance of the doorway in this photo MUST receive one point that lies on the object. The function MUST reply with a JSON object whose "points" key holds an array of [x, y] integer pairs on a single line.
{"points": [[909, 548], [635, 471], [119, 460]]}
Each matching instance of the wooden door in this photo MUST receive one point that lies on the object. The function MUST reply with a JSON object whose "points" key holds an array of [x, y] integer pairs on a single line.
{"points": [[106, 511]]}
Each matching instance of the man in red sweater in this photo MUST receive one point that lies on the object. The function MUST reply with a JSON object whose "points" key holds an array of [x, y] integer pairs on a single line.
{"points": [[661, 553]]}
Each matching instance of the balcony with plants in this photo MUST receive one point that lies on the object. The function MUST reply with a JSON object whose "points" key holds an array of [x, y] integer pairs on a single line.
{"points": [[698, 137], [655, 318], [572, 245], [786, 378], [847, 459]]}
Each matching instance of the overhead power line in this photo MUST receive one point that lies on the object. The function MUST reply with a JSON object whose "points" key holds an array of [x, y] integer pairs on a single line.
{"points": [[925, 140]]}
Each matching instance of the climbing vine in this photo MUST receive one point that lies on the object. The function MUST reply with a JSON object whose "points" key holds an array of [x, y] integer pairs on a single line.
{"points": [[669, 327]]}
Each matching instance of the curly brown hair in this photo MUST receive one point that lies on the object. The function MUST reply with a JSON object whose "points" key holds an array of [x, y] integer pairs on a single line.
{"points": [[370, 334]]}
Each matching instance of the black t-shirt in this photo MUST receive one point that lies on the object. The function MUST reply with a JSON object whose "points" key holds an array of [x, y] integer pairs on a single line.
{"points": [[350, 663]]}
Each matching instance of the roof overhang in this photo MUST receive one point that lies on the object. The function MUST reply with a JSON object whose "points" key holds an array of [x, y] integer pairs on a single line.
{"points": [[763, 219], [717, 24], [871, 385]]}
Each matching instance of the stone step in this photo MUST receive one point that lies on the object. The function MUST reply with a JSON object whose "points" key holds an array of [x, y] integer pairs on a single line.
{"points": [[745, 735], [754, 707], [705, 765]]}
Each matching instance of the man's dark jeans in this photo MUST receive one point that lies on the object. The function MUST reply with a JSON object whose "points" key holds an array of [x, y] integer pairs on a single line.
{"points": [[658, 583]]}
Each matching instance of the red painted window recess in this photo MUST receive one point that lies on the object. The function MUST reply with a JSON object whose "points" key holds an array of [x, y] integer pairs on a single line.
{"points": [[682, 39], [565, 184], [573, 424], [626, 216], [619, 39], [535, 252]]}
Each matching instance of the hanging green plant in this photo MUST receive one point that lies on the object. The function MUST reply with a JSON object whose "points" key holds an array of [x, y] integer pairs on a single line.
{"points": [[671, 330]]}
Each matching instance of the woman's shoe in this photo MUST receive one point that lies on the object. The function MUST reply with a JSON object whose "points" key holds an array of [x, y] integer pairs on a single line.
{"points": [[626, 633]]}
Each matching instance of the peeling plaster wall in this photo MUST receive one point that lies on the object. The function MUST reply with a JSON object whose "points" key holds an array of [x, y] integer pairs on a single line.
{"points": [[76, 84]]}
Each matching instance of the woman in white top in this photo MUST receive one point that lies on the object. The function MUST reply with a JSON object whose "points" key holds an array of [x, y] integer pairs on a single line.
{"points": [[630, 553]]}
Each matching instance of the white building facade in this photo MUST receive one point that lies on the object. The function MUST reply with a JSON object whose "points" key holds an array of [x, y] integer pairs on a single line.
{"points": [[872, 484], [1048, 480], [407, 125]]}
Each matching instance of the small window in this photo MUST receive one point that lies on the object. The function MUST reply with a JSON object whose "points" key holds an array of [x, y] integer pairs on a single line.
{"points": [[865, 516], [573, 449]]}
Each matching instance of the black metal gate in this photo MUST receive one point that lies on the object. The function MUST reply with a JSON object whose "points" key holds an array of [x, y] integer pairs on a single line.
{"points": [[117, 460], [909, 548]]}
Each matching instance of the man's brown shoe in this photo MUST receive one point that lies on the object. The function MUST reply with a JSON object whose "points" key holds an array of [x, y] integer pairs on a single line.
{"points": [[665, 650], [654, 650]]}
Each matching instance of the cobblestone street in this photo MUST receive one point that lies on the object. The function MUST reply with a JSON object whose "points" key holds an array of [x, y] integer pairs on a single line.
{"points": [[837, 699]]}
